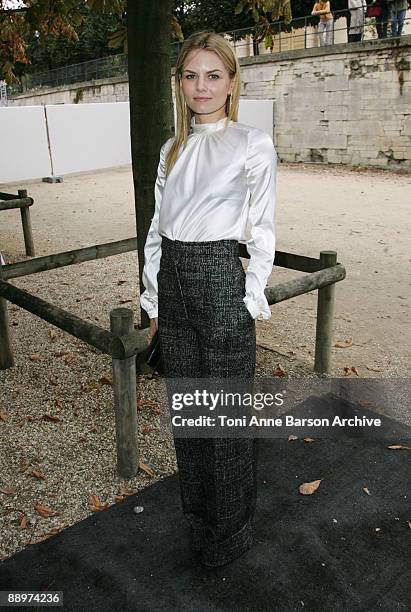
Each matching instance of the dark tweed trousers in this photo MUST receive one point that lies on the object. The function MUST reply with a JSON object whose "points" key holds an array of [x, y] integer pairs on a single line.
{"points": [[206, 331]]}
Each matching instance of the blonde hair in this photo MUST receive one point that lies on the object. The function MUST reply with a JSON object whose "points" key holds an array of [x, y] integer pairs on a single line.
{"points": [[213, 42]]}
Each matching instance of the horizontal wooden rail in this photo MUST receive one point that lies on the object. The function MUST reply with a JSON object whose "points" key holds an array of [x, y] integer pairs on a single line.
{"points": [[288, 260], [8, 196], [17, 203], [304, 284], [99, 251], [119, 347], [67, 258], [135, 342]]}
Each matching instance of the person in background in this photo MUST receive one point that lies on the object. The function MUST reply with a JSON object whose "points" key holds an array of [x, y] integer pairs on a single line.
{"points": [[381, 20], [397, 10], [326, 24], [357, 11]]}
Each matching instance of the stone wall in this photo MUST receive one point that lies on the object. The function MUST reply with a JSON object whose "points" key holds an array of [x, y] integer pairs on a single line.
{"points": [[348, 105]]}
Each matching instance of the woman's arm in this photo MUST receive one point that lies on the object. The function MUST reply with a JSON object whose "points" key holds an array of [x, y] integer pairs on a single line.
{"points": [[314, 11], [323, 12], [152, 248], [261, 171]]}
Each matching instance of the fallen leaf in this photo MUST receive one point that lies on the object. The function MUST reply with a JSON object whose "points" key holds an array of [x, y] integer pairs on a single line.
{"points": [[95, 504], [344, 344], [118, 498], [125, 301], [126, 491], [366, 404], [23, 522], [366, 490], [8, 490], [308, 439], [308, 488], [38, 474], [105, 380], [36, 357], [50, 417], [3, 415], [292, 437], [61, 353], [24, 464], [350, 370], [399, 447], [146, 469], [45, 536], [44, 511], [121, 282], [279, 371]]}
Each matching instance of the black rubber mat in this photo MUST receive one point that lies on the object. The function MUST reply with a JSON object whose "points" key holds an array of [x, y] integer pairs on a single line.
{"points": [[337, 549]]}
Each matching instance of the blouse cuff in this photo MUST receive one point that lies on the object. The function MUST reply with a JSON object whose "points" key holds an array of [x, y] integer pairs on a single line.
{"points": [[149, 304], [257, 306]]}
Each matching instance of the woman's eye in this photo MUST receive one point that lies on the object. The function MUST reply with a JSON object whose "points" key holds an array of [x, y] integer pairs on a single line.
{"points": [[188, 76]]}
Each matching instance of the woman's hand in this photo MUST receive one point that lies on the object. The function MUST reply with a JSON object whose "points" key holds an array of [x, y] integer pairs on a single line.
{"points": [[153, 329]]}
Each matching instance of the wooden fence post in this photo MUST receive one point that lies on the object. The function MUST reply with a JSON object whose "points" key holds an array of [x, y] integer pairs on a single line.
{"points": [[125, 398], [6, 354], [26, 222], [325, 314]]}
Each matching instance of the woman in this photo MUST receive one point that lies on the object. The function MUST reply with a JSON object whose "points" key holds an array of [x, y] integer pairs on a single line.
{"points": [[216, 178], [357, 10], [326, 24]]}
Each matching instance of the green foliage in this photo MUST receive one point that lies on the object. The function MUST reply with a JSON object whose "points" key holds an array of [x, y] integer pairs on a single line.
{"points": [[53, 52]]}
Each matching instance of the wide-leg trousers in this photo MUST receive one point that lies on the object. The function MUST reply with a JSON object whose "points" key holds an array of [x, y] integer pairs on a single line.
{"points": [[206, 331]]}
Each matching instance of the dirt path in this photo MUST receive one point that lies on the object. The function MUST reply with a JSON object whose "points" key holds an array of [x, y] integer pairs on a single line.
{"points": [[364, 216]]}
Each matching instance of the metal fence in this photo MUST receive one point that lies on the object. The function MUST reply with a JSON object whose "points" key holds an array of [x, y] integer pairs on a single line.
{"points": [[301, 33]]}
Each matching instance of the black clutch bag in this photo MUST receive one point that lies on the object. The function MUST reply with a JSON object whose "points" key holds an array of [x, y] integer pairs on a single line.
{"points": [[154, 357]]}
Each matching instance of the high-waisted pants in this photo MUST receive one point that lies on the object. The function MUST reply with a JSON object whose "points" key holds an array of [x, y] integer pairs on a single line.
{"points": [[206, 331]]}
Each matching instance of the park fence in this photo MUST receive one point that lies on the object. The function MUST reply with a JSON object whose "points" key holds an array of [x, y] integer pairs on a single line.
{"points": [[127, 346]]}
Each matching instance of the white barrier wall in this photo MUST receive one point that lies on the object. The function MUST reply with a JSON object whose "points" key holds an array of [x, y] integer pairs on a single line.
{"points": [[89, 136], [82, 137], [24, 152]]}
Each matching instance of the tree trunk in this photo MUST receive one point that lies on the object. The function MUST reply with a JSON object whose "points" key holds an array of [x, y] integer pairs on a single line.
{"points": [[151, 106]]}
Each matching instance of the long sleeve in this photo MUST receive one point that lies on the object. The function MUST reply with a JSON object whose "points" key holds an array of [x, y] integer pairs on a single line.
{"points": [[261, 171], [152, 248]]}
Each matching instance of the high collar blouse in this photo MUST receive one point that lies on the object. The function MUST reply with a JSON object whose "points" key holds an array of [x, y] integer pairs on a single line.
{"points": [[222, 186]]}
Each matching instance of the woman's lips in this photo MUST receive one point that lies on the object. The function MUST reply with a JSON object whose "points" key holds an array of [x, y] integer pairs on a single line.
{"points": [[202, 99]]}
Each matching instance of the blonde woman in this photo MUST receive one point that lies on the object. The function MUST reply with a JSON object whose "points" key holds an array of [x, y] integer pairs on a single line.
{"points": [[216, 182], [326, 24]]}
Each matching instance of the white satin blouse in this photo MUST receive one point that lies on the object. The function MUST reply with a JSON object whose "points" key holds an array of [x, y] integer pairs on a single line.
{"points": [[222, 186]]}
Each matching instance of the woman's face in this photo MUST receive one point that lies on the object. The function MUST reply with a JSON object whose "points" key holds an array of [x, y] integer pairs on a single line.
{"points": [[205, 76]]}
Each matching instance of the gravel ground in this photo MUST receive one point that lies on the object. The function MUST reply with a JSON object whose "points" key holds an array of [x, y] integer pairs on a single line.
{"points": [[57, 447]]}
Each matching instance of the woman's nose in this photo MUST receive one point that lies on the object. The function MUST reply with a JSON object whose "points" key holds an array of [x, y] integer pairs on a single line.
{"points": [[201, 84]]}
